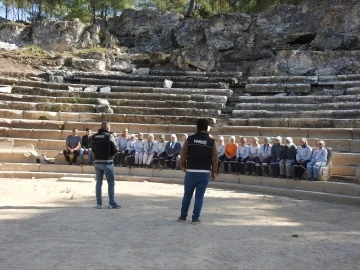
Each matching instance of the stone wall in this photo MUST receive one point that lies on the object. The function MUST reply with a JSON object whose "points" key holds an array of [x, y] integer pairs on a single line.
{"points": [[320, 36]]}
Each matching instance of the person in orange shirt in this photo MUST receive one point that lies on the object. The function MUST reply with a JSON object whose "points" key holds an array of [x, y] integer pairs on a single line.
{"points": [[230, 155]]}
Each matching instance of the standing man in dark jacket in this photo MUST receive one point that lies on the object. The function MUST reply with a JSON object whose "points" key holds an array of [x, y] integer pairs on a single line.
{"points": [[199, 161], [104, 149]]}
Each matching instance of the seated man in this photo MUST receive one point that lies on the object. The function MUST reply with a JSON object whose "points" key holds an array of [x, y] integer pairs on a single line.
{"points": [[121, 142], [159, 152], [172, 150], [303, 157], [149, 151], [86, 147], [318, 160], [73, 145]]}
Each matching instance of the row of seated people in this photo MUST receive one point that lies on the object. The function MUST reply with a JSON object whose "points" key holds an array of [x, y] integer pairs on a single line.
{"points": [[148, 153], [282, 159], [132, 152], [242, 158]]}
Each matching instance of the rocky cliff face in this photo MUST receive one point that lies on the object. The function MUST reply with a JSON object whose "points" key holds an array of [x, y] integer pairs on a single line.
{"points": [[297, 40]]}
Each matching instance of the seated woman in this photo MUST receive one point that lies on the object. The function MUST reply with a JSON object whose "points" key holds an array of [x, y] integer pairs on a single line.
{"points": [[253, 163], [130, 151], [276, 155], [303, 157], [265, 155], [220, 148], [139, 150], [149, 151], [242, 155], [230, 155], [318, 160], [288, 158]]}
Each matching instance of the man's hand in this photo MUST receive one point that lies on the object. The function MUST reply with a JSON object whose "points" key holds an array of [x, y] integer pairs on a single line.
{"points": [[237, 159], [158, 155], [71, 151], [213, 175]]}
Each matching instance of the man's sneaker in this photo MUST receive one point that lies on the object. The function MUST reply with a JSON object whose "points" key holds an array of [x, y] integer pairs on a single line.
{"points": [[98, 206], [196, 222], [181, 219], [114, 206]]}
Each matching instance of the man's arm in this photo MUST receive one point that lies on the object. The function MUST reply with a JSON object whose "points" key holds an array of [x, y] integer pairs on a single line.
{"points": [[183, 155]]}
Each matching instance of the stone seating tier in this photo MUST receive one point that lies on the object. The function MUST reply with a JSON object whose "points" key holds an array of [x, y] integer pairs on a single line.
{"points": [[22, 90], [124, 102], [298, 107], [152, 78], [278, 88], [283, 121], [295, 99], [274, 114]]}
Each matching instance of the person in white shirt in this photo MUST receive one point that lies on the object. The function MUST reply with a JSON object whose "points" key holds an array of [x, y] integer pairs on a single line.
{"points": [[149, 148], [253, 160], [159, 152], [183, 138], [139, 150]]}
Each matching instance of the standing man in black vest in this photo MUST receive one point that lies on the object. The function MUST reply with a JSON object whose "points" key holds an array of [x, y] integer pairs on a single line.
{"points": [[199, 161], [104, 149]]}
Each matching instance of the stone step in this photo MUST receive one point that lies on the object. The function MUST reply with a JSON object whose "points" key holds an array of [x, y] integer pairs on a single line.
{"points": [[298, 107], [296, 122], [346, 159], [149, 78], [295, 99], [92, 81], [284, 80], [353, 91], [332, 114], [344, 170], [278, 88], [126, 174], [22, 90], [331, 80], [195, 73], [99, 117], [116, 102], [347, 84], [76, 179]]}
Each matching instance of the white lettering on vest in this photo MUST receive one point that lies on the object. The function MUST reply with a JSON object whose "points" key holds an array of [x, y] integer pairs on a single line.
{"points": [[200, 142], [99, 136]]}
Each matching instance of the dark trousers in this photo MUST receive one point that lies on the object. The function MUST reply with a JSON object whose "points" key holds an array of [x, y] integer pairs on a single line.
{"points": [[275, 167], [170, 161], [265, 164], [157, 159], [66, 155], [130, 158], [300, 168], [120, 158], [228, 161], [220, 160], [251, 165], [240, 165]]}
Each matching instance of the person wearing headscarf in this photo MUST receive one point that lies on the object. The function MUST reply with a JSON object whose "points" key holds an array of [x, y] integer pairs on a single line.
{"points": [[303, 157], [265, 156], [230, 155], [159, 152], [318, 160], [276, 155], [242, 155], [253, 160], [130, 151], [288, 159], [220, 149]]}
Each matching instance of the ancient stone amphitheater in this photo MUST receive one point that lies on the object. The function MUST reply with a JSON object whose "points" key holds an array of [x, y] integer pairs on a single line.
{"points": [[36, 116]]}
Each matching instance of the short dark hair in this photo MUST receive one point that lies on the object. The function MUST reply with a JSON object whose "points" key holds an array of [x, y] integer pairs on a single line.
{"points": [[104, 125], [87, 129], [202, 124]]}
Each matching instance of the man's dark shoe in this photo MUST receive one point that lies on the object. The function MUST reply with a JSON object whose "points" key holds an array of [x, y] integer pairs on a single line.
{"points": [[181, 219], [196, 222], [81, 164], [114, 206], [69, 162]]}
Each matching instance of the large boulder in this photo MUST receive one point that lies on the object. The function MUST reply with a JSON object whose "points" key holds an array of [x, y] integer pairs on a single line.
{"points": [[202, 56], [58, 35], [89, 64], [145, 30], [15, 33], [190, 32], [90, 37]]}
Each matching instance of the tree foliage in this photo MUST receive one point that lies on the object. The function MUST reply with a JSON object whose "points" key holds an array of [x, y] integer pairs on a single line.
{"points": [[89, 10]]}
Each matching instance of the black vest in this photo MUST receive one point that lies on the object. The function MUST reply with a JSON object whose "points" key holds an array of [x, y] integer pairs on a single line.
{"points": [[200, 147]]}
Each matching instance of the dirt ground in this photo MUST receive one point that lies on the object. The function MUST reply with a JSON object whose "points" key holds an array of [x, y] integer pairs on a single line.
{"points": [[46, 224]]}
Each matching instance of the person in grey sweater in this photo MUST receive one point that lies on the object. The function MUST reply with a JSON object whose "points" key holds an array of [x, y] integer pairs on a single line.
{"points": [[288, 159], [276, 155], [318, 160], [303, 157]]}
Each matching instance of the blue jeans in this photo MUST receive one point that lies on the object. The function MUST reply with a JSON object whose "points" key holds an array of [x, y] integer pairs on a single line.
{"points": [[82, 152], [108, 170], [198, 181], [313, 168]]}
